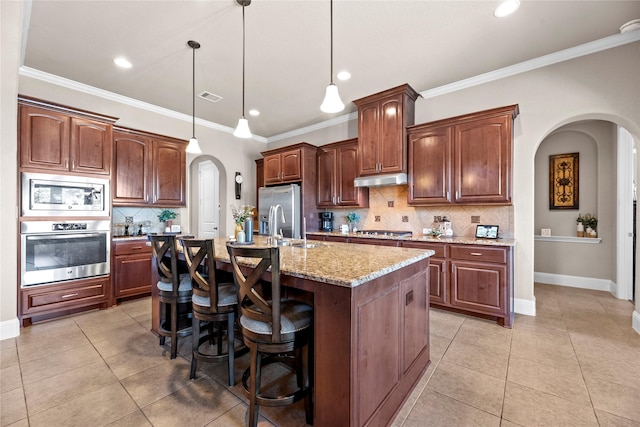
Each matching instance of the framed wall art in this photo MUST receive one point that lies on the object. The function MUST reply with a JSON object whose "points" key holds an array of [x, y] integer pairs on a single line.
{"points": [[564, 183]]}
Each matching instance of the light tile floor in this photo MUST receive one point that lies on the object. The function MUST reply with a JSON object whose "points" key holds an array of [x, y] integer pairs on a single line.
{"points": [[577, 363]]}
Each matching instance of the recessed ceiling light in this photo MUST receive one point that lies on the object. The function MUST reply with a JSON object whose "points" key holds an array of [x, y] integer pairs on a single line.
{"points": [[507, 7], [254, 112], [344, 75], [122, 62]]}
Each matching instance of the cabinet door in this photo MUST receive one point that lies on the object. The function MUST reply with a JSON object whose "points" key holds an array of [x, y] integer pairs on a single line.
{"points": [[392, 147], [430, 166], [482, 161], [91, 144], [131, 175], [416, 318], [326, 170], [272, 169], [368, 130], [44, 139], [438, 284], [169, 173], [132, 274], [291, 166], [479, 287], [346, 173]]}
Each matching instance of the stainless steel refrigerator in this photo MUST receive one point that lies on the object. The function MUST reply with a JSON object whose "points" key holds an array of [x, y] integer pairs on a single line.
{"points": [[288, 197]]}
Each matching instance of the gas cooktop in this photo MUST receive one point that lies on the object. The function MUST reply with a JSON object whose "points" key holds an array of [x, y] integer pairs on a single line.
{"points": [[390, 233]]}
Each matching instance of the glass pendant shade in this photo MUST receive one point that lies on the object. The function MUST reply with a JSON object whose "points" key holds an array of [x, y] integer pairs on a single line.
{"points": [[332, 102], [242, 130], [193, 146]]}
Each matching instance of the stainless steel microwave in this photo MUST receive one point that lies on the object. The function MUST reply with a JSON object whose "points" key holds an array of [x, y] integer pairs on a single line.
{"points": [[64, 195]]}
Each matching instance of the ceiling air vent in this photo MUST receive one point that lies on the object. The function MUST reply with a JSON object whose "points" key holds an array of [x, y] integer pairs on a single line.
{"points": [[211, 97]]}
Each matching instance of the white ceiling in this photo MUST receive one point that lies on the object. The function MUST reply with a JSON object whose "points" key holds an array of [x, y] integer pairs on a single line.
{"points": [[383, 43]]}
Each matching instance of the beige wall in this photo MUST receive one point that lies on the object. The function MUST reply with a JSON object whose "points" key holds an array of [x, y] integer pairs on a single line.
{"points": [[596, 142], [599, 86]]}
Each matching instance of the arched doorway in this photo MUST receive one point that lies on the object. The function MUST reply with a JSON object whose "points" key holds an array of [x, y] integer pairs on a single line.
{"points": [[207, 177]]}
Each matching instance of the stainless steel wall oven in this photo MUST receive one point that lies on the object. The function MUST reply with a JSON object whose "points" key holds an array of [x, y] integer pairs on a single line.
{"points": [[55, 251]]}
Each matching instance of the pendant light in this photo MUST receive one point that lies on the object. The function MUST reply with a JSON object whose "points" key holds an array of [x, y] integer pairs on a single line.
{"points": [[193, 146], [332, 102], [242, 130]]}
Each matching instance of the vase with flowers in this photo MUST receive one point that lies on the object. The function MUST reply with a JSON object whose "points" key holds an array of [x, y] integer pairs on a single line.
{"points": [[167, 216], [242, 215], [352, 219], [587, 225]]}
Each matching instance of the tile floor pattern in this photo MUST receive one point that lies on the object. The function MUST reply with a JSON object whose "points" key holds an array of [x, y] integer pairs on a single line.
{"points": [[575, 364]]}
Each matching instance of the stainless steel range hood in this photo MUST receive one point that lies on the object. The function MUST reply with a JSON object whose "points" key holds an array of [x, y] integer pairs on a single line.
{"points": [[381, 180]]}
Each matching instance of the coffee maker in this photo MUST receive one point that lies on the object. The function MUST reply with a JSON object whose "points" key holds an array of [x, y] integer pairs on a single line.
{"points": [[327, 221]]}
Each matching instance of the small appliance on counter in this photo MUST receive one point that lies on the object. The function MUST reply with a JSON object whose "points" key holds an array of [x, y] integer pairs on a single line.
{"points": [[326, 221]]}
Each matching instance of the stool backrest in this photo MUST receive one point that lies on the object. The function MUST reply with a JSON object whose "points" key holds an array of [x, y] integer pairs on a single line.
{"points": [[258, 299], [199, 255], [163, 248]]}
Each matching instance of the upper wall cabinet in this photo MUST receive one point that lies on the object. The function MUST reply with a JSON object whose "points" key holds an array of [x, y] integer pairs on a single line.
{"points": [[148, 170], [56, 138], [289, 164], [382, 122], [337, 169], [462, 160]]}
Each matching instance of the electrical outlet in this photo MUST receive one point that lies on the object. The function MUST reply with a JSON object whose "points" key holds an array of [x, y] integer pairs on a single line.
{"points": [[405, 218], [390, 204], [128, 219], [475, 219], [377, 219]]}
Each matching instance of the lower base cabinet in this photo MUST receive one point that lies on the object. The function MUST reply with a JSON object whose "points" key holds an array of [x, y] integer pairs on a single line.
{"points": [[47, 301], [131, 268]]}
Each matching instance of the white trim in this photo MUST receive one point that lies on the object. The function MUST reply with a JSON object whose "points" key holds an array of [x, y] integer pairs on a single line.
{"points": [[575, 281], [525, 306], [9, 329], [635, 321], [624, 220], [543, 61], [567, 239]]}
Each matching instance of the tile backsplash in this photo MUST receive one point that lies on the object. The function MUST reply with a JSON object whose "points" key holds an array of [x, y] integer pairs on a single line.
{"points": [[139, 215], [388, 210]]}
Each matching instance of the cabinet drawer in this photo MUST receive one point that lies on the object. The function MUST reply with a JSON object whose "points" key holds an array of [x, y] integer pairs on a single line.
{"points": [[132, 247], [479, 253], [439, 248], [379, 242], [60, 297]]}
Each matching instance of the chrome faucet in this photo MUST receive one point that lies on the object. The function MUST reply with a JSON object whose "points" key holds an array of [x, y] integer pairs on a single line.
{"points": [[273, 222]]}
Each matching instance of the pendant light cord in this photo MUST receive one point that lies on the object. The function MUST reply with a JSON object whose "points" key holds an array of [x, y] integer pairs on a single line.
{"points": [[243, 55], [194, 92], [331, 14]]}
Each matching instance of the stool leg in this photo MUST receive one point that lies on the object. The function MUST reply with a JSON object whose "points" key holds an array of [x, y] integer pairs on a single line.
{"points": [[231, 348], [174, 330], [254, 385], [163, 316], [308, 383], [195, 341]]}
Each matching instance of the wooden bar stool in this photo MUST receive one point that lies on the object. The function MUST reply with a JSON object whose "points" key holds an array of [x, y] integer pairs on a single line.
{"points": [[275, 329], [213, 303], [174, 292]]}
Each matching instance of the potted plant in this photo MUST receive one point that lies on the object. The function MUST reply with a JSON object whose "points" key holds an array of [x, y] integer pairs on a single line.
{"points": [[352, 220], [587, 225], [240, 215], [167, 216]]}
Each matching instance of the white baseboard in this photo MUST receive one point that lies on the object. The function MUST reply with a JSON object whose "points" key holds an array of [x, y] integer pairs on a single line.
{"points": [[635, 321], [576, 282], [9, 329], [525, 306]]}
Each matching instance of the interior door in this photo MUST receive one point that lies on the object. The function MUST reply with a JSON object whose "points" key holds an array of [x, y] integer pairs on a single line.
{"points": [[208, 200]]}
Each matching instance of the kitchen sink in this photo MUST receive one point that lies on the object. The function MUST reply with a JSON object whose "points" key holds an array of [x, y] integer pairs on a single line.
{"points": [[298, 244]]}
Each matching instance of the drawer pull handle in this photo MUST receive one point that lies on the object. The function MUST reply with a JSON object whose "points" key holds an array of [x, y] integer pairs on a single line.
{"points": [[70, 295], [136, 247], [475, 253]]}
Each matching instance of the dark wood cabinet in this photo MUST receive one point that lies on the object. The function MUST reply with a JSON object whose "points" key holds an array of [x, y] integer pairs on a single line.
{"points": [[462, 160], [475, 279], [55, 139], [259, 183], [382, 122], [283, 167], [131, 268], [148, 170], [337, 170]]}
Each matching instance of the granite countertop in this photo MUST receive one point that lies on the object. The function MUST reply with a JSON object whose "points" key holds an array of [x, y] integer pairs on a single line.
{"points": [[336, 263], [423, 238]]}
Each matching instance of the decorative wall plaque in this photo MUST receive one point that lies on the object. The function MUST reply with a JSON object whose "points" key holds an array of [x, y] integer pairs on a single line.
{"points": [[564, 181]]}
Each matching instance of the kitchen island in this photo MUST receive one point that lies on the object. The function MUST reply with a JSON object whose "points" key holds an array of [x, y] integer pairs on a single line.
{"points": [[371, 324]]}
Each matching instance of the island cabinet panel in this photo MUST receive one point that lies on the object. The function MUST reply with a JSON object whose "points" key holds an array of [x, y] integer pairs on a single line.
{"points": [[415, 302], [462, 160], [55, 139], [132, 268], [337, 170], [382, 122], [148, 170]]}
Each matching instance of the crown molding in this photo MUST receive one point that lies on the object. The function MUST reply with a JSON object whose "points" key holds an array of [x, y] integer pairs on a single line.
{"points": [[321, 125]]}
